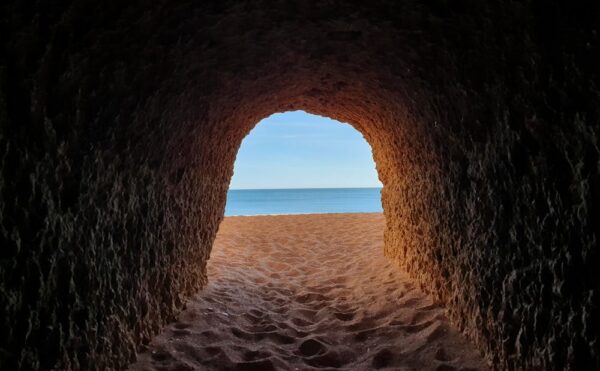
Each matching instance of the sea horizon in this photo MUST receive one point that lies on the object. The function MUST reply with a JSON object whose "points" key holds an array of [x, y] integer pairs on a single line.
{"points": [[300, 201], [269, 189]]}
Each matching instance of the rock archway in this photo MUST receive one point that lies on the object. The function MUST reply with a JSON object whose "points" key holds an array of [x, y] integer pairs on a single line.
{"points": [[119, 125]]}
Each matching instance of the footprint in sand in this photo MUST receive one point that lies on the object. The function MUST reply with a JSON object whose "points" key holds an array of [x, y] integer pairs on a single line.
{"points": [[311, 347], [344, 316], [382, 359]]}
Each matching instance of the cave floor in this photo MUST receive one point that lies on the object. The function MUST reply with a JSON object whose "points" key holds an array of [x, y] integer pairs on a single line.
{"points": [[308, 292]]}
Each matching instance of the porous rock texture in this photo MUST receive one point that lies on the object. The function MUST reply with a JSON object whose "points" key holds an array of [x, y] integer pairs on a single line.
{"points": [[120, 122]]}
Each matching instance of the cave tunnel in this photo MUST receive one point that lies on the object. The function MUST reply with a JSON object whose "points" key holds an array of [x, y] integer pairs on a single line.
{"points": [[120, 123]]}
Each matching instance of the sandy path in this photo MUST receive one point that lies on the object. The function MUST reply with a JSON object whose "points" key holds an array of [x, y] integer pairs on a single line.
{"points": [[308, 292]]}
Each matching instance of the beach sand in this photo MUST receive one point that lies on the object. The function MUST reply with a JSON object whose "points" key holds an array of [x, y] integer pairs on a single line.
{"points": [[303, 292]]}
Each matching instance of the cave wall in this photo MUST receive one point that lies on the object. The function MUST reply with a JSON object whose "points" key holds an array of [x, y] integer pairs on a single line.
{"points": [[119, 125]]}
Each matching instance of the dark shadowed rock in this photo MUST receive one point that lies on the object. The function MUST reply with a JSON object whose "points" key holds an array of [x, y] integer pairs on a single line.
{"points": [[120, 122]]}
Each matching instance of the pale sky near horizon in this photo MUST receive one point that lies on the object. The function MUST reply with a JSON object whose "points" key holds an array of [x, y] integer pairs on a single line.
{"points": [[300, 150]]}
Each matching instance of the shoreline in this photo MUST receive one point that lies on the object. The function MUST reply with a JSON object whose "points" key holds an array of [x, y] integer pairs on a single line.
{"points": [[307, 214]]}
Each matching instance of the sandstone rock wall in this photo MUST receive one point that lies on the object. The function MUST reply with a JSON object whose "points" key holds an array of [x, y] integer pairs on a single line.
{"points": [[119, 125]]}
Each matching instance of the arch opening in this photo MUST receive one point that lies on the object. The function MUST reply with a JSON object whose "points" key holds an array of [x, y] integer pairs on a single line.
{"points": [[327, 162], [297, 277]]}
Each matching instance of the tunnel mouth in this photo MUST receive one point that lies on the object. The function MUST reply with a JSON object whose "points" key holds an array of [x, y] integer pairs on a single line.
{"points": [[295, 162], [306, 284]]}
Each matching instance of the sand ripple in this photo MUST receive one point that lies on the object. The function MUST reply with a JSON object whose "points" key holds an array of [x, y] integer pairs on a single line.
{"points": [[308, 292]]}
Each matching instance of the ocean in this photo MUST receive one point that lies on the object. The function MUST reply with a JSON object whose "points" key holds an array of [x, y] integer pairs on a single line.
{"points": [[303, 201]]}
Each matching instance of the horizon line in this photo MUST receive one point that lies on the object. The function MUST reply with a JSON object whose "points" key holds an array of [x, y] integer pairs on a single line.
{"points": [[292, 188]]}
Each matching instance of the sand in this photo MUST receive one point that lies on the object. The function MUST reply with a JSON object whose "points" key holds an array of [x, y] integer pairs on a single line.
{"points": [[303, 292]]}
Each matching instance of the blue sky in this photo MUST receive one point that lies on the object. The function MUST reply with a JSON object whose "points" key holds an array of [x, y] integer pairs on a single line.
{"points": [[300, 150]]}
